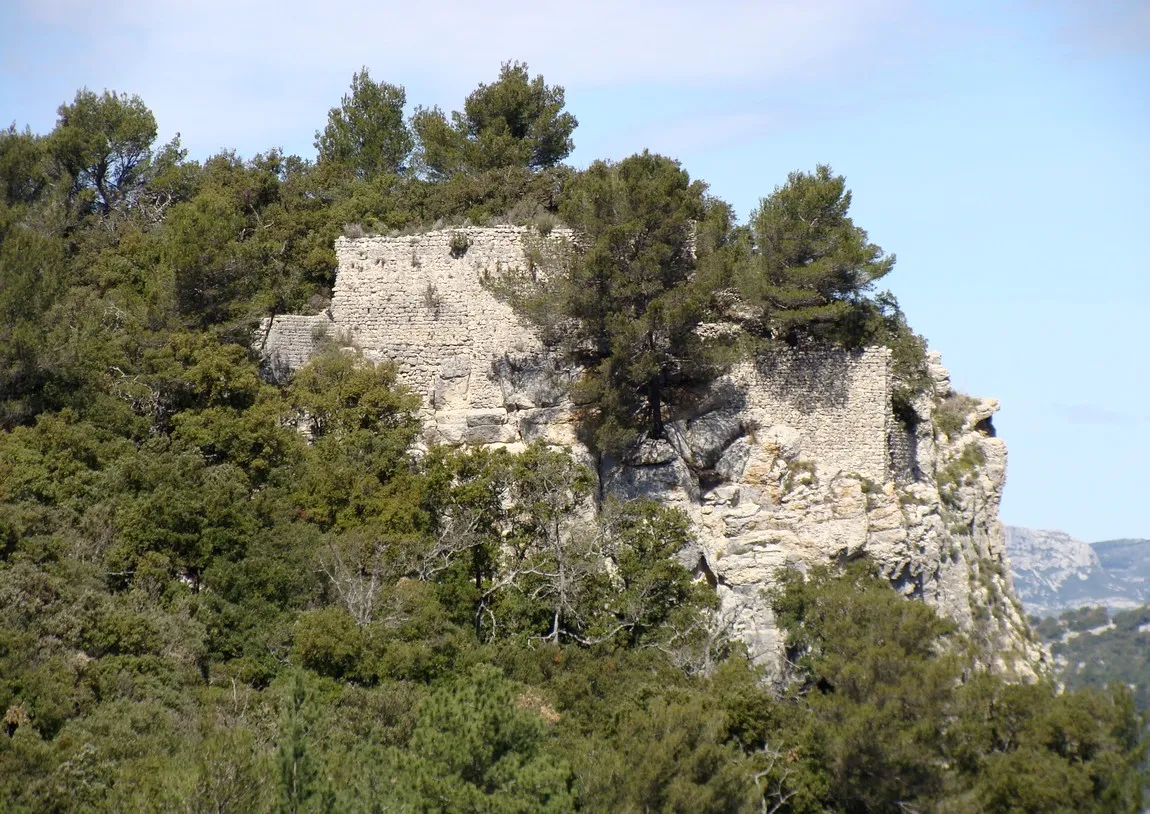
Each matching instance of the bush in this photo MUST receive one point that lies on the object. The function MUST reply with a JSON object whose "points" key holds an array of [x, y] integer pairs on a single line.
{"points": [[959, 472], [545, 223], [950, 414], [432, 299], [460, 243], [328, 642]]}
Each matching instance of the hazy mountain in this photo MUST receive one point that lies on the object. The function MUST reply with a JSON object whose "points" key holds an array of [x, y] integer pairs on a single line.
{"points": [[1054, 571]]}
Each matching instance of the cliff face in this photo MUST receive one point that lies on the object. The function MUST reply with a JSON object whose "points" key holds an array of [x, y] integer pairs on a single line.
{"points": [[1049, 565], [762, 498], [791, 460], [1054, 572]]}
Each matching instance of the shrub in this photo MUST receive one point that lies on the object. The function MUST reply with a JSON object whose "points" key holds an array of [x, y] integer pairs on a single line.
{"points": [[328, 642], [959, 472], [799, 473], [950, 414], [544, 223], [460, 243], [432, 298]]}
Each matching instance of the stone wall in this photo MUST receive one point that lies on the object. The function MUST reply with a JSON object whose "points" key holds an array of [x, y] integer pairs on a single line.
{"points": [[789, 461], [838, 402], [417, 302], [288, 340]]}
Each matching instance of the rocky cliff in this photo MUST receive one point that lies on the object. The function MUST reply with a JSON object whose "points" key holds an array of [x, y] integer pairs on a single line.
{"points": [[1054, 572], [791, 460]]}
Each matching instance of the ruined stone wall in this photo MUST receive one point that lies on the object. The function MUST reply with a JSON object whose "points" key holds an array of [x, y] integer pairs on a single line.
{"points": [[791, 460], [416, 301], [838, 401], [288, 340]]}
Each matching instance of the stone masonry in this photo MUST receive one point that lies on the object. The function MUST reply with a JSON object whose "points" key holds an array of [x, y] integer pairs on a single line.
{"points": [[791, 460], [416, 302]]}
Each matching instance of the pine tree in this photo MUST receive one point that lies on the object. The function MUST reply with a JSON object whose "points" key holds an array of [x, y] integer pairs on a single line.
{"points": [[516, 121], [302, 786], [366, 134], [810, 265], [626, 307]]}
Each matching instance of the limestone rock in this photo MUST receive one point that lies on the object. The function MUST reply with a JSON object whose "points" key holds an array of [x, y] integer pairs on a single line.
{"points": [[939, 375], [793, 459], [708, 436], [652, 451]]}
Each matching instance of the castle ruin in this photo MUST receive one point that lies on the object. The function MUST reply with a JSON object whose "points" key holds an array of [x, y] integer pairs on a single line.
{"points": [[805, 462]]}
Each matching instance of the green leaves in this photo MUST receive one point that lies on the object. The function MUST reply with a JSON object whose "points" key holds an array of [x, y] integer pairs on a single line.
{"points": [[340, 393], [516, 121], [209, 263], [627, 303], [891, 711], [367, 134], [23, 175], [810, 263], [653, 594], [302, 785], [32, 276], [105, 144], [477, 746], [363, 425]]}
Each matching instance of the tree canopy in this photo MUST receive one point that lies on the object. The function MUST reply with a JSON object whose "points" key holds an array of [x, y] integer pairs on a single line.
{"points": [[516, 121], [105, 144], [626, 304], [809, 263], [367, 134]]}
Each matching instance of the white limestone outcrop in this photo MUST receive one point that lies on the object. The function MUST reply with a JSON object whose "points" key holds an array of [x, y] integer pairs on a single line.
{"points": [[790, 460]]}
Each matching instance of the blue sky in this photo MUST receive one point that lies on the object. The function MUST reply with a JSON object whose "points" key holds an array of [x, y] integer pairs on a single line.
{"points": [[1000, 149]]}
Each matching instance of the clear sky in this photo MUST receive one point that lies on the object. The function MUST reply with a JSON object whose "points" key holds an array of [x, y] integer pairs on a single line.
{"points": [[1001, 149]]}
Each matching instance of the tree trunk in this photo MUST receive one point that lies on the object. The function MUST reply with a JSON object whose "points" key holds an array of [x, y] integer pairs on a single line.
{"points": [[655, 402]]}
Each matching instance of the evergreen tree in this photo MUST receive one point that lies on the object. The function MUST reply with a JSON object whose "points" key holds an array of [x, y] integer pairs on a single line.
{"points": [[478, 746], [515, 121], [104, 143], [22, 172], [367, 133], [32, 276], [302, 785], [810, 265], [624, 306]]}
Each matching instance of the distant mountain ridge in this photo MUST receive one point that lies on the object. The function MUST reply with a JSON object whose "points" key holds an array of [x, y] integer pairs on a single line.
{"points": [[1054, 572]]}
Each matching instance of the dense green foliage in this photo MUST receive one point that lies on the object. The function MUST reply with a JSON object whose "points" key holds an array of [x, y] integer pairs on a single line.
{"points": [[1093, 647], [516, 121], [655, 260], [204, 609], [810, 262], [629, 304], [367, 133]]}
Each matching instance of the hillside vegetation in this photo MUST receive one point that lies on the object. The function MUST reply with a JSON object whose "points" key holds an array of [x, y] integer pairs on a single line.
{"points": [[203, 608], [1097, 647]]}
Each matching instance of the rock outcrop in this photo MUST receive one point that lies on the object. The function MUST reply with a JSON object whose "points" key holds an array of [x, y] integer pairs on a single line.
{"points": [[790, 460], [1054, 572]]}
